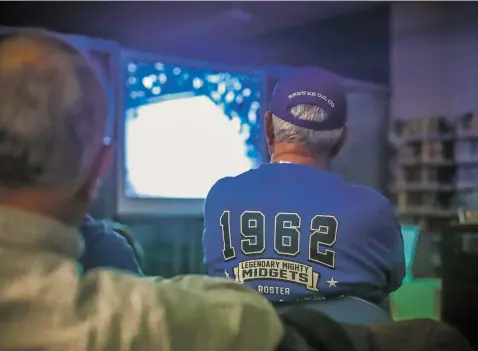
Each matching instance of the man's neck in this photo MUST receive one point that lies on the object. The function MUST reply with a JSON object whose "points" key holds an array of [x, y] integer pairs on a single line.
{"points": [[34, 201], [280, 154]]}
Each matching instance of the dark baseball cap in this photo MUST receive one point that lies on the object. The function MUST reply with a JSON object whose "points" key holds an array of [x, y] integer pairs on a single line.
{"points": [[311, 86]]}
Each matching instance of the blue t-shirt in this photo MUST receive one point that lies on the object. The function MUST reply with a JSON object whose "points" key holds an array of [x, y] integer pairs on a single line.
{"points": [[293, 232], [105, 249]]}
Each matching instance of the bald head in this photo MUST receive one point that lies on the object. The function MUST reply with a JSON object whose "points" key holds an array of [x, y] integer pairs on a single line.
{"points": [[53, 111]]}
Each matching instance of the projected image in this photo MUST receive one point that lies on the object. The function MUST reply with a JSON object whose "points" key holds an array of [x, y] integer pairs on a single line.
{"points": [[185, 128]]}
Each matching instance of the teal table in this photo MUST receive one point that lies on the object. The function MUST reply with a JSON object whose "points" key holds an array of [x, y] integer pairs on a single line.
{"points": [[418, 298]]}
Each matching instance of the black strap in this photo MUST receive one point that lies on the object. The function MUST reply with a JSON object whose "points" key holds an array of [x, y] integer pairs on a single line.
{"points": [[300, 300]]}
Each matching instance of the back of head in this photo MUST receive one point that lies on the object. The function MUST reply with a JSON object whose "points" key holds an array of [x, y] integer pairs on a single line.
{"points": [[53, 111], [308, 109], [318, 142]]}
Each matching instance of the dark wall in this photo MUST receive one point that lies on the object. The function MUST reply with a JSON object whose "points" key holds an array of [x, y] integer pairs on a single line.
{"points": [[434, 61], [355, 45]]}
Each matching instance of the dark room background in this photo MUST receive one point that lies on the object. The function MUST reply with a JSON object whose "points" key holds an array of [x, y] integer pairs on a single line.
{"points": [[351, 39]]}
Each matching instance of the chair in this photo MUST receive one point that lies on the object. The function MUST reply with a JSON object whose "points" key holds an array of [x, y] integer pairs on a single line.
{"points": [[349, 309]]}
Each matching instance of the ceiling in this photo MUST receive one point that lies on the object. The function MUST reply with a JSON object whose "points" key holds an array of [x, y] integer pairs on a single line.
{"points": [[174, 22], [243, 20]]}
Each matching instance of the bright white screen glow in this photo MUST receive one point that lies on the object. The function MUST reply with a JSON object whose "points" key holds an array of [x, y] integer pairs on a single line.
{"points": [[179, 148]]}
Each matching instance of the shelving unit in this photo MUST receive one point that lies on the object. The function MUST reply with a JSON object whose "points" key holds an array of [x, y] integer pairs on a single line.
{"points": [[424, 172], [435, 171], [466, 158]]}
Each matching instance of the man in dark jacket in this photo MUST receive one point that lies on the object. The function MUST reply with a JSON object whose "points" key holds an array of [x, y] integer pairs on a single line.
{"points": [[105, 248]]}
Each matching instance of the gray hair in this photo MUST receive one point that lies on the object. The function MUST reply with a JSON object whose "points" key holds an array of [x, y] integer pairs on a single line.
{"points": [[317, 142], [53, 112]]}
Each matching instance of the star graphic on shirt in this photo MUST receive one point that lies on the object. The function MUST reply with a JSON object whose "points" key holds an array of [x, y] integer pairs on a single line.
{"points": [[332, 283], [227, 274]]}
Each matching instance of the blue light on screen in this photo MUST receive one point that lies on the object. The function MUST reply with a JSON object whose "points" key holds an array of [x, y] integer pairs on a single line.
{"points": [[185, 128]]}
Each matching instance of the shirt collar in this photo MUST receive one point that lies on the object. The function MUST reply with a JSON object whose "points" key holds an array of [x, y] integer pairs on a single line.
{"points": [[301, 172], [31, 230]]}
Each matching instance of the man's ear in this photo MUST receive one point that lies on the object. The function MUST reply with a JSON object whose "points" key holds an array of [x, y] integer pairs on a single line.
{"points": [[100, 167], [336, 149], [269, 128]]}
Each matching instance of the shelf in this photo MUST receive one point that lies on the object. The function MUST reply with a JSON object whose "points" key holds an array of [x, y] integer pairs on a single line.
{"points": [[462, 186], [427, 211], [466, 135], [422, 186], [466, 161], [435, 168], [426, 137], [436, 171], [437, 162], [433, 187]]}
